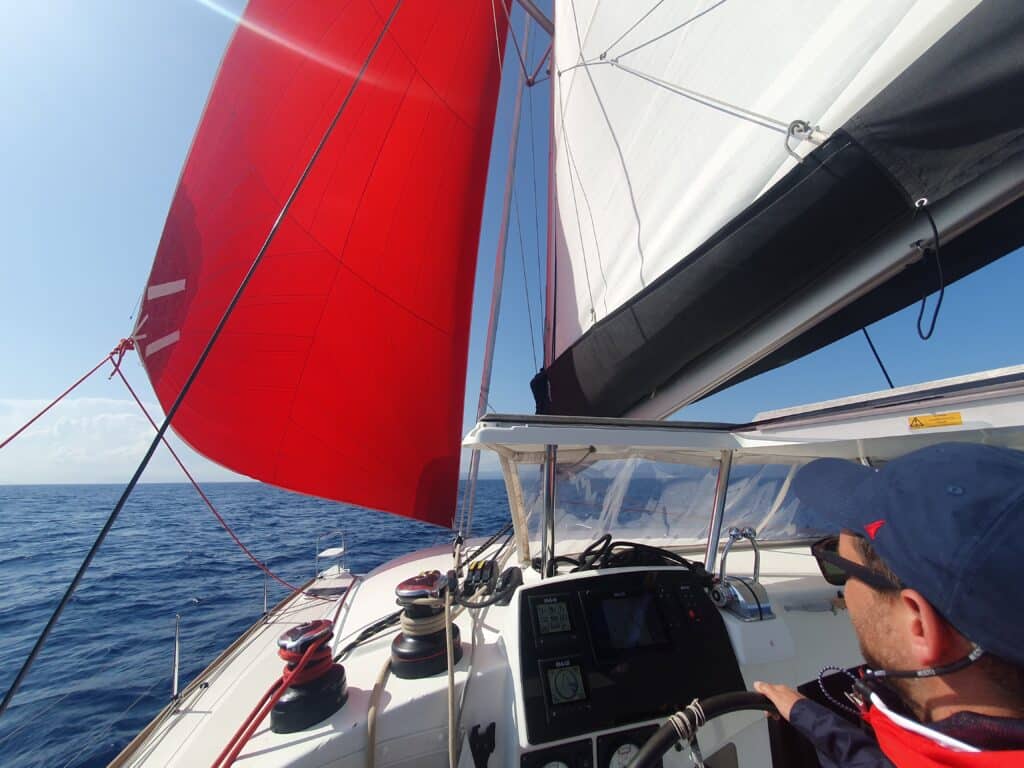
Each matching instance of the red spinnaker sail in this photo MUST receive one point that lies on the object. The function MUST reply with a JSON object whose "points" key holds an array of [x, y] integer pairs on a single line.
{"points": [[341, 371]]}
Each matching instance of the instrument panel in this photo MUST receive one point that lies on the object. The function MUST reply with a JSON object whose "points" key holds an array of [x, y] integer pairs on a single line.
{"points": [[613, 650]]}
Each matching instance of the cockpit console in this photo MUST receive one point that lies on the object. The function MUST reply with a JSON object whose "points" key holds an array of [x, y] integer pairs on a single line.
{"points": [[615, 649]]}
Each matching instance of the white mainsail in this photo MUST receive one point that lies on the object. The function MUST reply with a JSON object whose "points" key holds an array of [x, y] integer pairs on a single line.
{"points": [[670, 120]]}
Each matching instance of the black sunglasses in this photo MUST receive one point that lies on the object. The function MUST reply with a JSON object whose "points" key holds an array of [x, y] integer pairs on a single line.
{"points": [[837, 570]]}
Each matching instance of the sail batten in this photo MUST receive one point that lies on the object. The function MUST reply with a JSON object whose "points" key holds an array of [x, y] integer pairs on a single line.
{"points": [[341, 372]]}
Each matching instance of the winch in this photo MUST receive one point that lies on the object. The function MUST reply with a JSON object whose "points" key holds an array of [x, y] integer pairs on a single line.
{"points": [[420, 649], [316, 690]]}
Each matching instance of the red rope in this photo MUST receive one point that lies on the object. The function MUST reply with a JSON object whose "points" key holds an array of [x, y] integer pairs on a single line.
{"points": [[115, 357], [64, 394], [206, 499], [270, 698], [297, 672], [318, 664]]}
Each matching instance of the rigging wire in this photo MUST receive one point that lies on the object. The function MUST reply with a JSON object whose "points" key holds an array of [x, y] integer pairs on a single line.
{"points": [[674, 29], [526, 282], [29, 722], [515, 40], [60, 397], [878, 358], [532, 79], [497, 37], [209, 504], [574, 175], [536, 203], [506, 529], [465, 512], [108, 726], [115, 357], [575, 204], [636, 24], [80, 574], [593, 224], [725, 107], [618, 147], [583, 64], [922, 205]]}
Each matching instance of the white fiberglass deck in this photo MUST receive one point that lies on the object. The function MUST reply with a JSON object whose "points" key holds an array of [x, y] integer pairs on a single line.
{"points": [[811, 631]]}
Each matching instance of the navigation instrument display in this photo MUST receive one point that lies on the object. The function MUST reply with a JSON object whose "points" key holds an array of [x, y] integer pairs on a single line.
{"points": [[552, 616], [606, 649], [625, 622], [565, 684]]}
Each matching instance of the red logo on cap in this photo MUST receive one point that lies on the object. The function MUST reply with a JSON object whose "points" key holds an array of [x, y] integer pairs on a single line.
{"points": [[872, 528]]}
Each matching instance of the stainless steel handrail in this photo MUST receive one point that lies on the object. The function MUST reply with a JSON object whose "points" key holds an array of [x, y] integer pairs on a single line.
{"points": [[718, 513], [342, 557], [177, 657]]}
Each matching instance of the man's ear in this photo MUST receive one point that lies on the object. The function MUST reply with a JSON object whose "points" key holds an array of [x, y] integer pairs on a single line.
{"points": [[932, 640]]}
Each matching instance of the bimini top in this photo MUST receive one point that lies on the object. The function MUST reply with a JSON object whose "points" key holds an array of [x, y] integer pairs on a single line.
{"points": [[984, 407]]}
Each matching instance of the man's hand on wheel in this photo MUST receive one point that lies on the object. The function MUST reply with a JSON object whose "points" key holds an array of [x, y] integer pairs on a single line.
{"points": [[782, 696]]}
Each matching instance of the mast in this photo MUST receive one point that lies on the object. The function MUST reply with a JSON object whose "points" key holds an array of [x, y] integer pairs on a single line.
{"points": [[496, 289], [547, 531]]}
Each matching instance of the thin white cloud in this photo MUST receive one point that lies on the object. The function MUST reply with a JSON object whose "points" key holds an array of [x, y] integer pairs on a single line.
{"points": [[91, 440]]}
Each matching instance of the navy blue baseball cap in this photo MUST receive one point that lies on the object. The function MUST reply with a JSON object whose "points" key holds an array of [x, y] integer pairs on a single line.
{"points": [[948, 520]]}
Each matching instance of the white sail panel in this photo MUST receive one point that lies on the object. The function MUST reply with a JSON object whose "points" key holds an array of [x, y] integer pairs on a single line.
{"points": [[644, 174]]}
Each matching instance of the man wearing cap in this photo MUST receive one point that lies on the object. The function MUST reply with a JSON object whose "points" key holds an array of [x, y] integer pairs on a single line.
{"points": [[931, 553]]}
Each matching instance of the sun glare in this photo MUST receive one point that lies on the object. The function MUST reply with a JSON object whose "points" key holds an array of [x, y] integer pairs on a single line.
{"points": [[320, 57]]}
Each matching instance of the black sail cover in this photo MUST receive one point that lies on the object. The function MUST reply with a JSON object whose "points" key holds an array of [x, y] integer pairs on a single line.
{"points": [[952, 117]]}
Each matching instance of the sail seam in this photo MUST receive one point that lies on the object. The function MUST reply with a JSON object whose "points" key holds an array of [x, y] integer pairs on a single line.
{"points": [[340, 261], [526, 282], [574, 168], [618, 148], [575, 204], [536, 204]]}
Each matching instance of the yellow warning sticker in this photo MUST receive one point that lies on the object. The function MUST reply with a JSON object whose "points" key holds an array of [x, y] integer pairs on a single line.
{"points": [[928, 421]]}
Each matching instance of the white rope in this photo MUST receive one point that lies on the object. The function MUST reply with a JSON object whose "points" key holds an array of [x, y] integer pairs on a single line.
{"points": [[453, 740], [476, 633], [371, 713], [418, 627], [450, 648]]}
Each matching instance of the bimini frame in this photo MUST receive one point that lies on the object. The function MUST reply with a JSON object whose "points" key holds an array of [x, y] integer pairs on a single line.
{"points": [[873, 428]]}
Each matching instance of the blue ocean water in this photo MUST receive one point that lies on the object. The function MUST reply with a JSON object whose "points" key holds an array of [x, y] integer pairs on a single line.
{"points": [[106, 669]]}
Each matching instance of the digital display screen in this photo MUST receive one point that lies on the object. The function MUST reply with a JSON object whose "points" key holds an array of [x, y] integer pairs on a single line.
{"points": [[626, 622], [552, 617], [565, 684]]}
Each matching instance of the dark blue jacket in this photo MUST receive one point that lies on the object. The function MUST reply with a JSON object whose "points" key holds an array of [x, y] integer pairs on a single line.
{"points": [[841, 744]]}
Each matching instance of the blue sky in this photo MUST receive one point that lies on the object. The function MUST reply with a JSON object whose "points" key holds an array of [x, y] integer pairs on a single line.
{"points": [[101, 100]]}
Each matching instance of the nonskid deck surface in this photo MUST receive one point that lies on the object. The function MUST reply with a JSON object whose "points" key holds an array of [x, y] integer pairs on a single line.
{"points": [[812, 631], [193, 730]]}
